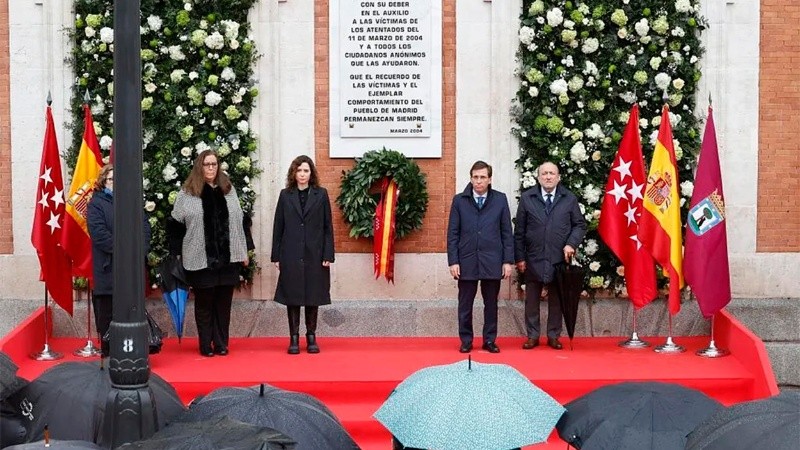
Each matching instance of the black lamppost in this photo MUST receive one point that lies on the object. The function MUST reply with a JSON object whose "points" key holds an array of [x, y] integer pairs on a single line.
{"points": [[130, 412]]}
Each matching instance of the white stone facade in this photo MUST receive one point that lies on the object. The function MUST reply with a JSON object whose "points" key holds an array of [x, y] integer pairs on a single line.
{"points": [[285, 119]]}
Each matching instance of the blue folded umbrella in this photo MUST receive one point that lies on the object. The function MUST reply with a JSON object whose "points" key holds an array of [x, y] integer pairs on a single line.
{"points": [[175, 291]]}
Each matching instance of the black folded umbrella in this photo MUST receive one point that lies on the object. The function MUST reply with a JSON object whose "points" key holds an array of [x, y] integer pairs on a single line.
{"points": [[772, 423], [215, 434], [568, 283]]}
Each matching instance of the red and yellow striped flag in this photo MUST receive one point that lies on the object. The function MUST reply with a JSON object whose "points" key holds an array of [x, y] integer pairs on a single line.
{"points": [[660, 228], [384, 230], [75, 237]]}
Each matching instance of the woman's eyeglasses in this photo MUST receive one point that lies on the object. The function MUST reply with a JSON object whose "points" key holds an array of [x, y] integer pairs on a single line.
{"points": [[212, 164]]}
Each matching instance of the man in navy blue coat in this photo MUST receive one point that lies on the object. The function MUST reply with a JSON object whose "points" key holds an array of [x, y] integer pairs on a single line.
{"points": [[480, 247], [549, 228]]}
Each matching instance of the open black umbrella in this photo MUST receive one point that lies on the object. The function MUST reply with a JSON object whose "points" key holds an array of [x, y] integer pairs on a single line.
{"points": [[54, 444], [296, 414], [772, 423], [12, 430], [568, 283], [174, 290], [635, 416], [216, 434], [9, 381], [71, 397]]}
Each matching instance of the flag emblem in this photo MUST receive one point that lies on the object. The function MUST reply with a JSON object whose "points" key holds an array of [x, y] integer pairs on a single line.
{"points": [[708, 213], [80, 199], [658, 191]]}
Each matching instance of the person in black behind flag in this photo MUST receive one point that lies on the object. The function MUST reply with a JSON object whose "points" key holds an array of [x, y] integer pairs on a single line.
{"points": [[100, 222]]}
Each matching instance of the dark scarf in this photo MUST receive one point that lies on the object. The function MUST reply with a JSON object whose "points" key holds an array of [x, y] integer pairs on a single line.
{"points": [[215, 226]]}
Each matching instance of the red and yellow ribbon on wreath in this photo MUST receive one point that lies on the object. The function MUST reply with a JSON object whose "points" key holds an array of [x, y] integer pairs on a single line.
{"points": [[384, 230]]}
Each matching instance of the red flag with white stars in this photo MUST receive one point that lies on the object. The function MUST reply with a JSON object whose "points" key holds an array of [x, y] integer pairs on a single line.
{"points": [[48, 222], [621, 211]]}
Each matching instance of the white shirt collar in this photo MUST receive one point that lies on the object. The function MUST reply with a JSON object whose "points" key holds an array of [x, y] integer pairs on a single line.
{"points": [[544, 193]]}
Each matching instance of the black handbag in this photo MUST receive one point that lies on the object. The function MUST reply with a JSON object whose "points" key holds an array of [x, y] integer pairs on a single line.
{"points": [[155, 335]]}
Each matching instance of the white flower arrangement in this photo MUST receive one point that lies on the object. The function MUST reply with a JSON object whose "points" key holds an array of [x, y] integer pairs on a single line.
{"points": [[198, 93], [581, 66]]}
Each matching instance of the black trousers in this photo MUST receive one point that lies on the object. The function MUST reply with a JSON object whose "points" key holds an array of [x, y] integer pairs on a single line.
{"points": [[102, 306], [466, 298], [533, 295], [212, 314]]}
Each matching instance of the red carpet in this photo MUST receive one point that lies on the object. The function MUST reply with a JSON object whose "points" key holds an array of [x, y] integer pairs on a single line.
{"points": [[354, 375]]}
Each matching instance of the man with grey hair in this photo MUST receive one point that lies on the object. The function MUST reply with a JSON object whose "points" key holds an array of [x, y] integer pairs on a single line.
{"points": [[549, 228]]}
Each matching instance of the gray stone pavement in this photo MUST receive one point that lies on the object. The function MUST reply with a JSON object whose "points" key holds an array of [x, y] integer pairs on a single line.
{"points": [[775, 321]]}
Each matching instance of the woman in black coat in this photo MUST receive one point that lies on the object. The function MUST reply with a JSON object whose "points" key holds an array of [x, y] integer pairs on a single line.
{"points": [[302, 250], [100, 222]]}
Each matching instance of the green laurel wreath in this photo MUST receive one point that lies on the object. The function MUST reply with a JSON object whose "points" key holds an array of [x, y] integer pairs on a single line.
{"points": [[358, 199]]}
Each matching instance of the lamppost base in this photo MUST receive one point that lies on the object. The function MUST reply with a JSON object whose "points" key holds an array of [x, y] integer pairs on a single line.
{"points": [[130, 416]]}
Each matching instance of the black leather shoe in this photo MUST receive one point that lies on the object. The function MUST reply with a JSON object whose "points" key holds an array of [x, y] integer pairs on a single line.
{"points": [[207, 354], [530, 343], [221, 351], [465, 348], [553, 343], [491, 347]]}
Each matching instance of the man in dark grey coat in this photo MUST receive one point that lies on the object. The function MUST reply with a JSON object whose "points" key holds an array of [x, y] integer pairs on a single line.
{"points": [[480, 247], [549, 228]]}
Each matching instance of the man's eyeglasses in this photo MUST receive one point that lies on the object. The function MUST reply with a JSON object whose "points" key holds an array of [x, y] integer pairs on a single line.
{"points": [[212, 164]]}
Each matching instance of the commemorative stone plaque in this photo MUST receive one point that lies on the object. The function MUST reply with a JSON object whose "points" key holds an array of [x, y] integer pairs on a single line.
{"points": [[385, 75]]}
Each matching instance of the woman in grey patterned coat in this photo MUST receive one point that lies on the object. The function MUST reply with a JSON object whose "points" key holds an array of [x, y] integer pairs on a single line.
{"points": [[213, 248]]}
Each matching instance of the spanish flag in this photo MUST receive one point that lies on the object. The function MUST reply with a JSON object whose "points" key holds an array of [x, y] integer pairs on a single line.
{"points": [[660, 228], [75, 238], [384, 230]]}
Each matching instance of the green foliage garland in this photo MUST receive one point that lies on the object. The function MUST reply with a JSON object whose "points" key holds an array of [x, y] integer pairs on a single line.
{"points": [[582, 64], [358, 203], [198, 91]]}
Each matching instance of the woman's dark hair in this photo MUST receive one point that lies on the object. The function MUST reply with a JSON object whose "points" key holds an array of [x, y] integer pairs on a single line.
{"points": [[194, 183], [100, 184], [291, 180]]}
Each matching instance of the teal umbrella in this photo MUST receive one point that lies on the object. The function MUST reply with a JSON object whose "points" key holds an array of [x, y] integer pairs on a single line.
{"points": [[469, 405]]}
